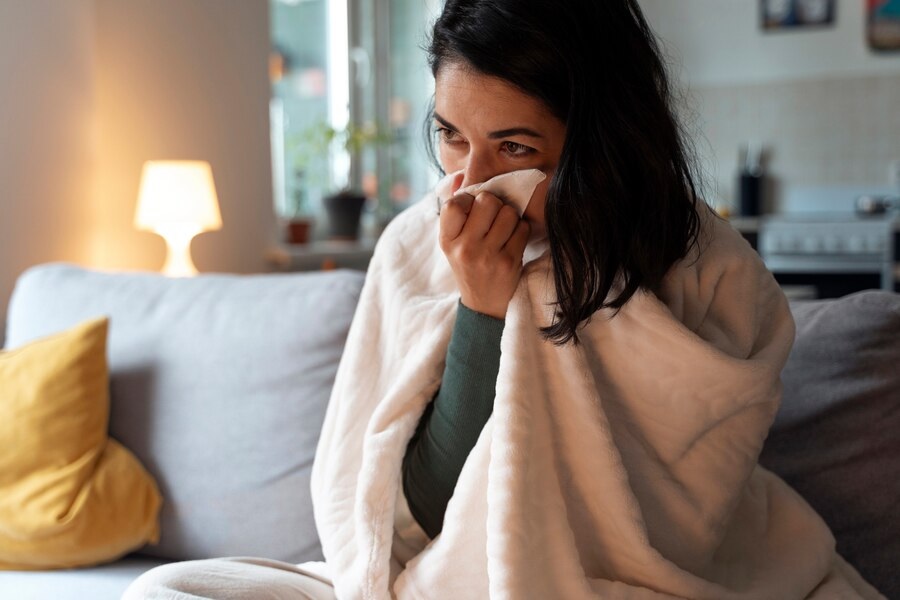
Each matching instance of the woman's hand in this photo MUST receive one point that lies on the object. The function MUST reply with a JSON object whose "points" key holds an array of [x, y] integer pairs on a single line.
{"points": [[484, 241]]}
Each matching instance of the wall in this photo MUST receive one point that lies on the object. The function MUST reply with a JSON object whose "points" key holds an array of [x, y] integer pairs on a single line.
{"points": [[90, 89], [720, 42], [184, 80], [822, 102], [46, 103], [828, 139]]}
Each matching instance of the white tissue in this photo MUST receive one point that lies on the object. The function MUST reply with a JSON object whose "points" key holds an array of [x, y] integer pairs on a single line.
{"points": [[514, 188]]}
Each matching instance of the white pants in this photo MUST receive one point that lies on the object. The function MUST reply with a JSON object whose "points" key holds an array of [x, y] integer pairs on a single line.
{"points": [[230, 579]]}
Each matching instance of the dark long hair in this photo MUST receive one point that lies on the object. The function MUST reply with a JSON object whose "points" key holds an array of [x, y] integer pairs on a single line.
{"points": [[621, 209]]}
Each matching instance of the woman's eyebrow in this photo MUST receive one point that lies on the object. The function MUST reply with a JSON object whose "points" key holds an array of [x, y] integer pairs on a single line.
{"points": [[445, 122], [512, 131]]}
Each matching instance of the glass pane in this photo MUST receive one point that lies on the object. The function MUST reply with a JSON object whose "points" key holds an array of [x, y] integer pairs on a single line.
{"points": [[383, 65], [365, 111], [412, 88], [299, 74]]}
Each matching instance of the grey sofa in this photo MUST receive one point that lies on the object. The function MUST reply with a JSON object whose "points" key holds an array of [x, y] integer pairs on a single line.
{"points": [[219, 385]]}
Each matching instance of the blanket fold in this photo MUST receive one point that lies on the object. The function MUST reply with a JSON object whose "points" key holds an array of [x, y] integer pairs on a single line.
{"points": [[623, 467]]}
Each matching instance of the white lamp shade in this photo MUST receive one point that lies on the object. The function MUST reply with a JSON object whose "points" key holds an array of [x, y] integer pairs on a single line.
{"points": [[177, 195]]}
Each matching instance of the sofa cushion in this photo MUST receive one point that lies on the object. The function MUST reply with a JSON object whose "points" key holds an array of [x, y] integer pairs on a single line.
{"points": [[836, 438], [104, 582], [69, 495], [219, 385]]}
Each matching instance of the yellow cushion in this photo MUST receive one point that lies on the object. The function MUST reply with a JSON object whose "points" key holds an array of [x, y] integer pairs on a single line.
{"points": [[69, 495]]}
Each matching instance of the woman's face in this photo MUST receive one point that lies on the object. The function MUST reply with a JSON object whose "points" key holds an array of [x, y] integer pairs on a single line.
{"points": [[487, 127]]}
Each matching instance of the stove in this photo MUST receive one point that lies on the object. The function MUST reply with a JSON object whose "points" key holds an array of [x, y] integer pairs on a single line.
{"points": [[837, 254]]}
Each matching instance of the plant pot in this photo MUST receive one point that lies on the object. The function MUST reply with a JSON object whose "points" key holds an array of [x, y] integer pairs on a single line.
{"points": [[297, 231], [344, 210]]}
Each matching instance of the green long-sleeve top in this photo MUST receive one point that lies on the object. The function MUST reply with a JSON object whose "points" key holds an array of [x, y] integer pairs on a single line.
{"points": [[454, 418]]}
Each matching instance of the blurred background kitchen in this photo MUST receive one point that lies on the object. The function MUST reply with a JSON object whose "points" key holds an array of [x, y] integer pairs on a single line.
{"points": [[310, 113], [792, 105]]}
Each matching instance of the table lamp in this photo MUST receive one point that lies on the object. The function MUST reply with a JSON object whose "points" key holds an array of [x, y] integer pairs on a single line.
{"points": [[177, 200]]}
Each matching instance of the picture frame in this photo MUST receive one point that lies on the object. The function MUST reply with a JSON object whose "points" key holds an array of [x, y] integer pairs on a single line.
{"points": [[787, 15], [883, 25]]}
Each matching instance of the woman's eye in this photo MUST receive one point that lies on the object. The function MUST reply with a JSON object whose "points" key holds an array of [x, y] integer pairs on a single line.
{"points": [[448, 136], [515, 149]]}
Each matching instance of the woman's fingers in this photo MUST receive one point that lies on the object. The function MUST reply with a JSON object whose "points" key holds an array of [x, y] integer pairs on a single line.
{"points": [[481, 218], [503, 227], [457, 182], [454, 214], [484, 218], [515, 246], [469, 217], [484, 242]]}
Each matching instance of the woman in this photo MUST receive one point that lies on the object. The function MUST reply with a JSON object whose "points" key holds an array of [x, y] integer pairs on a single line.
{"points": [[565, 401]]}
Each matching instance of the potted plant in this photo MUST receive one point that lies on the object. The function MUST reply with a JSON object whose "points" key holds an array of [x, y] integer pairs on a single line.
{"points": [[298, 220], [344, 207]]}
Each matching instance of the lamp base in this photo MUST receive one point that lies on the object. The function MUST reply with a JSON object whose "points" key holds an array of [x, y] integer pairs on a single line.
{"points": [[178, 257]]}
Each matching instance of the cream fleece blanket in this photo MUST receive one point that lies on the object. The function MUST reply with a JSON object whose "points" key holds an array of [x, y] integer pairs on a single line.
{"points": [[621, 468]]}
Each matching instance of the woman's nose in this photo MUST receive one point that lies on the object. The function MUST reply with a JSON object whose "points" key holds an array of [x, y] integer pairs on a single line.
{"points": [[477, 171]]}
